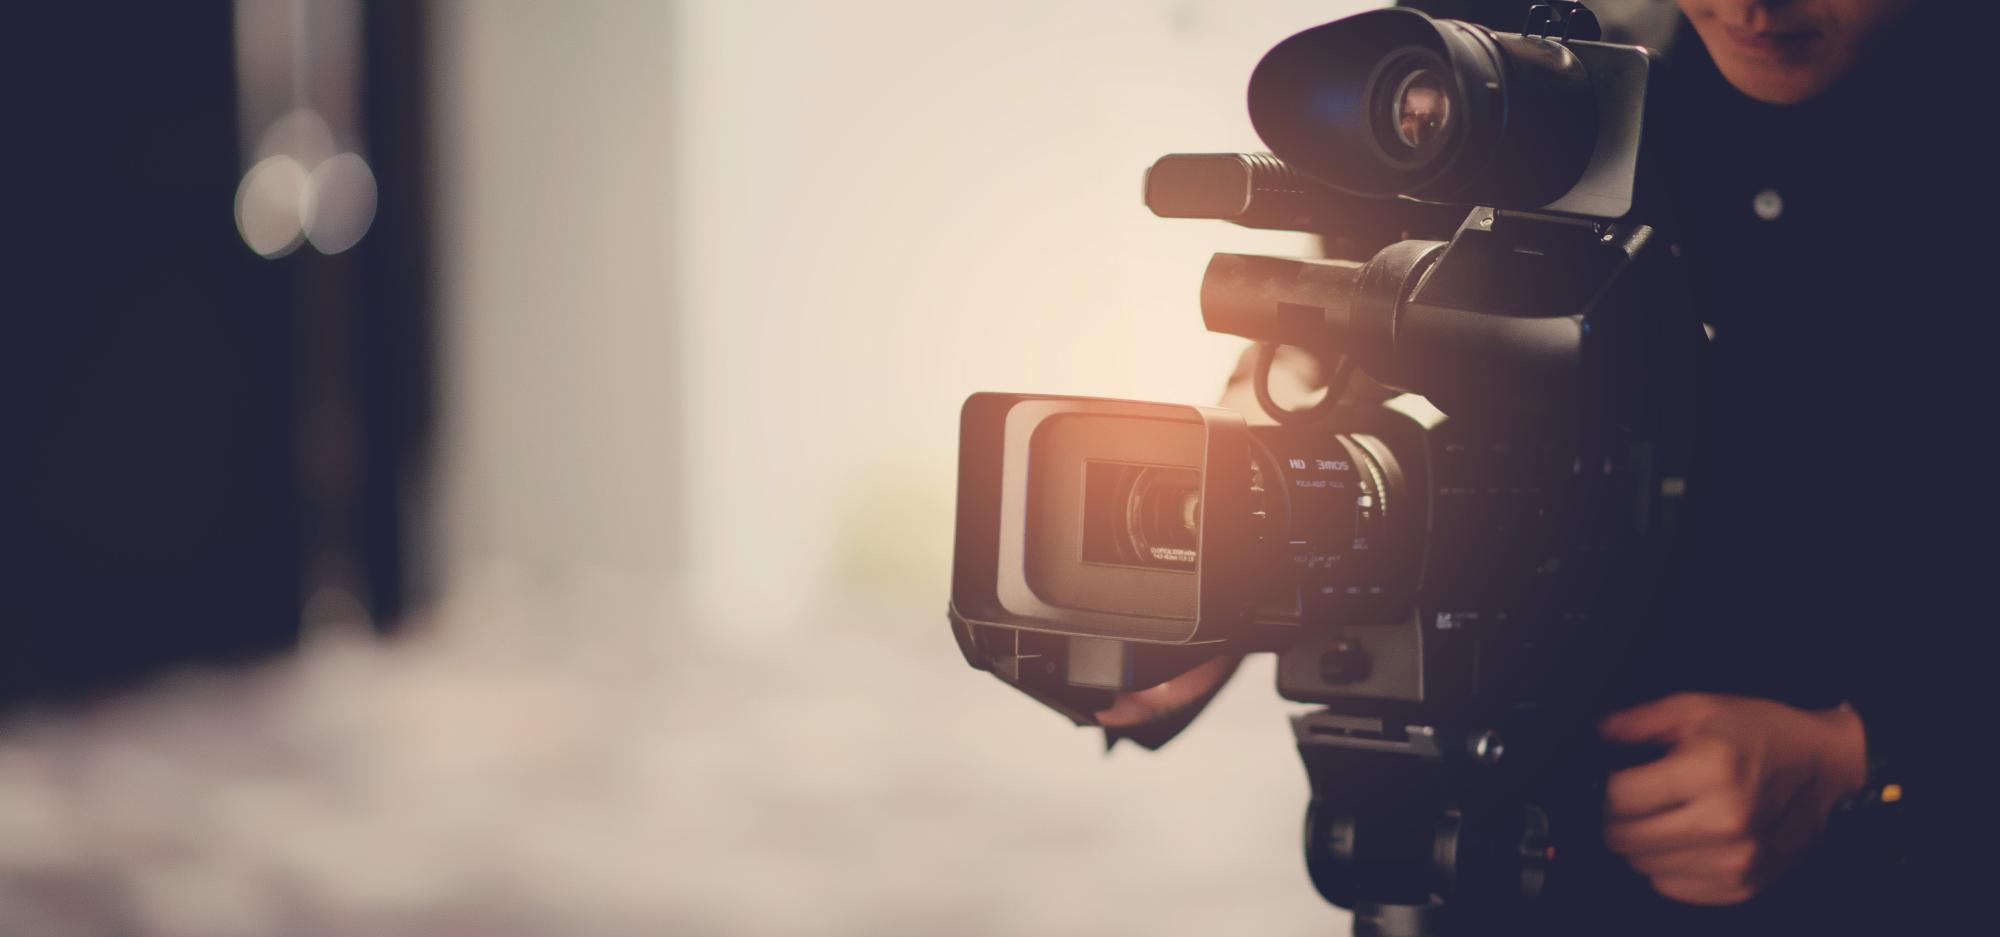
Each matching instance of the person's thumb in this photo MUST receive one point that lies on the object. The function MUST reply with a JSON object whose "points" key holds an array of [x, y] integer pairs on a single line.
{"points": [[1158, 702], [1662, 721]]}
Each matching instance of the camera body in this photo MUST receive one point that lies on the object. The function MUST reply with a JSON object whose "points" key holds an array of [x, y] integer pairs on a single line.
{"points": [[1456, 560], [1116, 542]]}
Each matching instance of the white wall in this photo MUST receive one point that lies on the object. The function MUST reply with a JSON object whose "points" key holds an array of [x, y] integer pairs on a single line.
{"points": [[845, 217], [559, 450], [718, 277]]}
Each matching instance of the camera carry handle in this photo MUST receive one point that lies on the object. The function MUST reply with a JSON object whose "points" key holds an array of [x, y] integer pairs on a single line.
{"points": [[1260, 384]]}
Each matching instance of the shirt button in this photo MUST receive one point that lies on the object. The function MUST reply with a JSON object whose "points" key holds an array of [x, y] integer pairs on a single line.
{"points": [[1768, 204]]}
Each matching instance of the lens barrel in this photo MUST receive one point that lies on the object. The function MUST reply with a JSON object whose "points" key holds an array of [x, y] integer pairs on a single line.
{"points": [[1393, 102]]}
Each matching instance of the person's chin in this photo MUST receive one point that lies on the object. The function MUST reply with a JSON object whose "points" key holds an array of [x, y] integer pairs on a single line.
{"points": [[1774, 83]]}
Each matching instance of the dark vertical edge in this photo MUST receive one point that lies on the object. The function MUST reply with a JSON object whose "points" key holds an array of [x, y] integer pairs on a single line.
{"points": [[396, 322]]}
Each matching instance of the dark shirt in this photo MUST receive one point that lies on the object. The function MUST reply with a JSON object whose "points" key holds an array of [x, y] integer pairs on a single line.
{"points": [[1841, 510], [1839, 542], [1841, 505]]}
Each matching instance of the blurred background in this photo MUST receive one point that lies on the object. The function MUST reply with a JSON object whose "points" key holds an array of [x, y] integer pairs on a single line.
{"points": [[485, 466]]}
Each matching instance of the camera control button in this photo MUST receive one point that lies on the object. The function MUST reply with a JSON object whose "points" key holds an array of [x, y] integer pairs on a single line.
{"points": [[1344, 663]]}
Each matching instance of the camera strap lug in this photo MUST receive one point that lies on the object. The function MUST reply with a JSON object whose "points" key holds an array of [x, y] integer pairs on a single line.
{"points": [[1562, 20]]}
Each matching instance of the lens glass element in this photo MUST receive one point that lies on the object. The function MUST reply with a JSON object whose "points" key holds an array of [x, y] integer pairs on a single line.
{"points": [[1422, 109], [1163, 516], [1146, 516]]}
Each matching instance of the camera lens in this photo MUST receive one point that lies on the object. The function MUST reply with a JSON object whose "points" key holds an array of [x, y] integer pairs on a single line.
{"points": [[1146, 516], [1163, 516], [1392, 102], [1410, 109], [1422, 110]]}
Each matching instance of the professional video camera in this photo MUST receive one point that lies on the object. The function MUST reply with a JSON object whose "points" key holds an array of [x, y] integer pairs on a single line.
{"points": [[1454, 559]]}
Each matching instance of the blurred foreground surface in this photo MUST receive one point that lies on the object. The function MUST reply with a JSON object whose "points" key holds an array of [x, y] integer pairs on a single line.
{"points": [[526, 765]]}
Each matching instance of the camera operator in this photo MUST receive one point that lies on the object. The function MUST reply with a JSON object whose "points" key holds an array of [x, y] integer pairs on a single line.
{"points": [[1812, 143]]}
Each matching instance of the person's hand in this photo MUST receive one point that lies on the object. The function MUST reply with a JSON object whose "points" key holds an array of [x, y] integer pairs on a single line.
{"points": [[1154, 703], [1745, 787]]}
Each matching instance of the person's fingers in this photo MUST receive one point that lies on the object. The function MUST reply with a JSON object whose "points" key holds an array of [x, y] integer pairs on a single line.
{"points": [[1731, 863], [1663, 720], [1701, 890], [1691, 769], [1157, 702], [1659, 833], [1686, 827], [1126, 711], [1704, 822]]}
